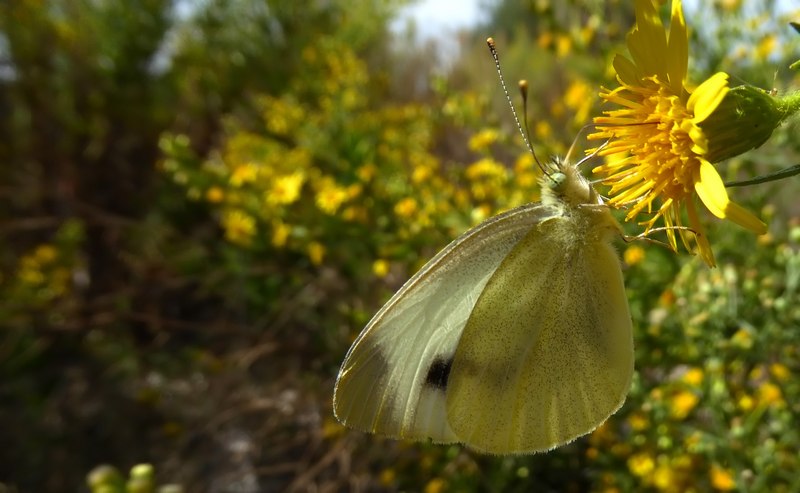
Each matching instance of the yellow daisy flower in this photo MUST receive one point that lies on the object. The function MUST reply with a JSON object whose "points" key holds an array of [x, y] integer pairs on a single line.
{"points": [[243, 174], [641, 464], [483, 140], [316, 252], [722, 479], [330, 195], [285, 189], [239, 227], [657, 145], [406, 207], [215, 194], [682, 404]]}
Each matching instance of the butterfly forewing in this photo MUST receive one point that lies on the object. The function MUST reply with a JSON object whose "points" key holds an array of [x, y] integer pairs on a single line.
{"points": [[394, 378]]}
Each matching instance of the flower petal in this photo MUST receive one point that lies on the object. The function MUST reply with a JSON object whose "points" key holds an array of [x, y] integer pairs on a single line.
{"points": [[705, 99], [699, 138], [677, 48], [711, 190], [648, 42], [626, 70], [703, 246], [745, 218]]}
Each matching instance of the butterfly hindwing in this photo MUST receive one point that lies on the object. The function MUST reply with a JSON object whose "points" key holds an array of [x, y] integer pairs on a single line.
{"points": [[548, 350]]}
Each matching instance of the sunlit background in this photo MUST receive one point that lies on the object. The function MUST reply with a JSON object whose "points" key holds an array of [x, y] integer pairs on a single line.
{"points": [[202, 203]]}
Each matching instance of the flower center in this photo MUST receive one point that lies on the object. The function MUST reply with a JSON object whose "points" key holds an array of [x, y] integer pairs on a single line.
{"points": [[654, 129]]}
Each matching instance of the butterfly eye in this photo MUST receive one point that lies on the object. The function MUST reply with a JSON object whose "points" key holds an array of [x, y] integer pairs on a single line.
{"points": [[558, 182]]}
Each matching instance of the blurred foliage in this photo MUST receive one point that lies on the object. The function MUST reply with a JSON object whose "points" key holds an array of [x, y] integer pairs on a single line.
{"points": [[204, 202]]}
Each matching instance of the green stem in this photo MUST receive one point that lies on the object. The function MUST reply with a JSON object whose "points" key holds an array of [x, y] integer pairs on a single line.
{"points": [[778, 175], [789, 104]]}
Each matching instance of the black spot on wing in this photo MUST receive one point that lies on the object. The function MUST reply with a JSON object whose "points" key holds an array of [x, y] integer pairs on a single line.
{"points": [[439, 372]]}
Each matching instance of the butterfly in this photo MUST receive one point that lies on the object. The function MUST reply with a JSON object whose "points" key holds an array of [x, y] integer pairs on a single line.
{"points": [[515, 338]]}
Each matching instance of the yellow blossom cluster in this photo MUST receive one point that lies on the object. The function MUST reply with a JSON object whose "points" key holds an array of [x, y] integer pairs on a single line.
{"points": [[712, 405], [328, 171], [44, 273], [49, 271]]}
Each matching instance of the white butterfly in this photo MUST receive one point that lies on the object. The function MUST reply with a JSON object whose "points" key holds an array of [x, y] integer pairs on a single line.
{"points": [[516, 338]]}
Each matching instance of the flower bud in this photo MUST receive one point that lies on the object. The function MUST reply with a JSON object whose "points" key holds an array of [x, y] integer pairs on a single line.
{"points": [[743, 120]]}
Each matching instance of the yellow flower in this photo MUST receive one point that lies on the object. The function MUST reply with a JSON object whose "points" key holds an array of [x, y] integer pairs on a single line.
{"points": [[215, 195], [367, 172], [46, 254], [387, 477], [487, 176], [633, 255], [542, 130], [693, 441], [239, 227], [380, 268], [486, 168], [693, 377], [421, 173], [757, 373], [285, 189], [436, 485], [354, 190], [638, 421], [641, 465], [664, 477], [743, 339], [769, 394], [746, 403], [563, 45], [330, 196], [580, 98], [406, 207], [780, 372], [280, 234], [30, 271], [526, 174], [766, 47], [656, 139], [682, 404], [243, 174], [355, 213], [721, 478], [545, 39], [589, 30], [316, 252], [483, 139]]}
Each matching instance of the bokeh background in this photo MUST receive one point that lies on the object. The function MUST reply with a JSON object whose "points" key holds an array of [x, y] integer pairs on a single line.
{"points": [[203, 202]]}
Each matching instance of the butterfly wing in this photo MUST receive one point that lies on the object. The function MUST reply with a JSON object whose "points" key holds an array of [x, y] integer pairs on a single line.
{"points": [[547, 354], [392, 379]]}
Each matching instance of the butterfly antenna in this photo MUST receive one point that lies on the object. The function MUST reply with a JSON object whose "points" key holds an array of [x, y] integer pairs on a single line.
{"points": [[594, 153], [575, 142], [523, 86]]}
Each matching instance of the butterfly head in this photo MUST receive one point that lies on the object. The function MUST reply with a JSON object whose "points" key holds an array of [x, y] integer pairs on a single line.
{"points": [[564, 184]]}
